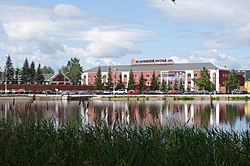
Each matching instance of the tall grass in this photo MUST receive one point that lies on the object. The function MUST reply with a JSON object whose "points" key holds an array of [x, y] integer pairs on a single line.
{"points": [[30, 143]]}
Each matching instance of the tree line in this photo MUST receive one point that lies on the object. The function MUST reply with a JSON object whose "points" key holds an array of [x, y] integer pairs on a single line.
{"points": [[30, 74], [203, 82]]}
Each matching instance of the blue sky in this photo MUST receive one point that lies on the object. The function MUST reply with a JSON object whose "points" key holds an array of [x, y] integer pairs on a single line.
{"points": [[111, 32]]}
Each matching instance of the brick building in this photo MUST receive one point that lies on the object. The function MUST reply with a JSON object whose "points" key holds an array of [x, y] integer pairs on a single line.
{"points": [[164, 69]]}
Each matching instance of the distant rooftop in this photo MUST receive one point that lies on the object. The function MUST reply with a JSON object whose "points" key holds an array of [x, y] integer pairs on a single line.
{"points": [[151, 67]]}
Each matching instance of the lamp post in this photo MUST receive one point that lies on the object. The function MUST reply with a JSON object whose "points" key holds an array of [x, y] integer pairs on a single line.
{"points": [[115, 69], [6, 88]]}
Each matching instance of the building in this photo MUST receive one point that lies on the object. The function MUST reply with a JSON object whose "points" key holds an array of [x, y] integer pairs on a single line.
{"points": [[56, 79], [247, 80], [165, 69]]}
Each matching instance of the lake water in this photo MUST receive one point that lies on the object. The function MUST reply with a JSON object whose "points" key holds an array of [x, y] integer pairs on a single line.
{"points": [[224, 114]]}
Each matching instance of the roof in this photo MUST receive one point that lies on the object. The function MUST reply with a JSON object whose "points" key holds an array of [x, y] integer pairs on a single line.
{"points": [[47, 76], [151, 67]]}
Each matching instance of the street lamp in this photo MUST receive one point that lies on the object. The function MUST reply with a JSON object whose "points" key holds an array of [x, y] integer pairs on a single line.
{"points": [[115, 69], [6, 89]]}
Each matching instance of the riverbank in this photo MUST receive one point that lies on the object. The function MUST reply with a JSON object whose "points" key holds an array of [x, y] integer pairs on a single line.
{"points": [[126, 97]]}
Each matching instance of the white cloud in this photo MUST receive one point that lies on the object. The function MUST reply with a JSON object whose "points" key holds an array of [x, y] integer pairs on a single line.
{"points": [[68, 11], [51, 35], [214, 56], [230, 11]]}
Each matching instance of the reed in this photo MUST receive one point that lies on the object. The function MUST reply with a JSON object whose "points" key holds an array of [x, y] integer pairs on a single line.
{"points": [[48, 143]]}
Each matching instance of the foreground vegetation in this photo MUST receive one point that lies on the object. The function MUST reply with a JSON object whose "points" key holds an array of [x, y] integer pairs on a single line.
{"points": [[45, 143]]}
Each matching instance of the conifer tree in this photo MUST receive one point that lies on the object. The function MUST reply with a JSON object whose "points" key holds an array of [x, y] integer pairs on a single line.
{"points": [[39, 78], [175, 85], [131, 81], [154, 82], [120, 84], [141, 82], [110, 80], [98, 79], [9, 70], [25, 77], [17, 76], [32, 72], [163, 85]]}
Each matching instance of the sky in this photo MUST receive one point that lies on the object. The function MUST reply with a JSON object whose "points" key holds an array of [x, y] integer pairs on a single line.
{"points": [[111, 32]]}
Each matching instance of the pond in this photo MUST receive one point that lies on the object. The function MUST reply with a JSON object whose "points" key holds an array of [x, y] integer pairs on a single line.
{"points": [[223, 114]]}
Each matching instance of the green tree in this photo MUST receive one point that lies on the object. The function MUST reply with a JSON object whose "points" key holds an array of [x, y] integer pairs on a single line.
{"points": [[98, 79], [142, 85], [32, 72], [73, 70], [163, 85], [120, 84], [47, 70], [181, 86], [169, 85], [232, 82], [25, 77], [203, 82], [17, 75], [39, 78], [9, 70], [154, 82], [175, 87], [131, 81], [109, 84]]}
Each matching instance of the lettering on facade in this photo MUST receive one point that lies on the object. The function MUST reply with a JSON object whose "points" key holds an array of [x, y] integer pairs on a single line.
{"points": [[152, 61]]}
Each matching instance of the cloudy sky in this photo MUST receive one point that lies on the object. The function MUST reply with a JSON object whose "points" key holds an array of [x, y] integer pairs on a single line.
{"points": [[109, 32]]}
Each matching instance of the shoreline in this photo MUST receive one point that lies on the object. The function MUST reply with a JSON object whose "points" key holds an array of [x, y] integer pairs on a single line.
{"points": [[216, 97]]}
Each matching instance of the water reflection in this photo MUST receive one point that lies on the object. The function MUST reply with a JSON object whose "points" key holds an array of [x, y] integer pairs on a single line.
{"points": [[228, 115]]}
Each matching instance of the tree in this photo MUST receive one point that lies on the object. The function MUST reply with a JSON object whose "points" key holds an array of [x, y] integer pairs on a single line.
{"points": [[154, 82], [32, 72], [131, 81], [98, 79], [203, 82], [39, 78], [47, 70], [120, 84], [110, 80], [73, 70], [17, 75], [141, 82], [169, 85], [25, 77], [175, 85], [232, 82], [181, 86], [9, 70], [163, 85]]}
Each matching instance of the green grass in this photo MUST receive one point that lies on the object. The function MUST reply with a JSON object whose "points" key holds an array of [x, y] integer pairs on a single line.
{"points": [[29, 143]]}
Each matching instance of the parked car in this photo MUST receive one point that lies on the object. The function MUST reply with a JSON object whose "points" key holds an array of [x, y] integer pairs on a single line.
{"points": [[133, 92], [120, 91], [173, 92], [237, 91]]}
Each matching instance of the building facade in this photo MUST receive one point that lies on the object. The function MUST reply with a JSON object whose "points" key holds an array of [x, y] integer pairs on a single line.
{"points": [[166, 70]]}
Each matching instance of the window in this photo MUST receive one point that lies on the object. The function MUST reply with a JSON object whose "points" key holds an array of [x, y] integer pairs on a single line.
{"points": [[195, 75], [159, 75], [125, 76], [189, 75], [189, 82], [147, 75], [135, 76], [104, 76]]}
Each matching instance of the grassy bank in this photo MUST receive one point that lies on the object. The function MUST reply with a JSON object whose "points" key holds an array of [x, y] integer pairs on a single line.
{"points": [[28, 143]]}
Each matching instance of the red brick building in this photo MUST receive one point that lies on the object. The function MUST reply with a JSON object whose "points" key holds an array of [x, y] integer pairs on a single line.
{"points": [[164, 69]]}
